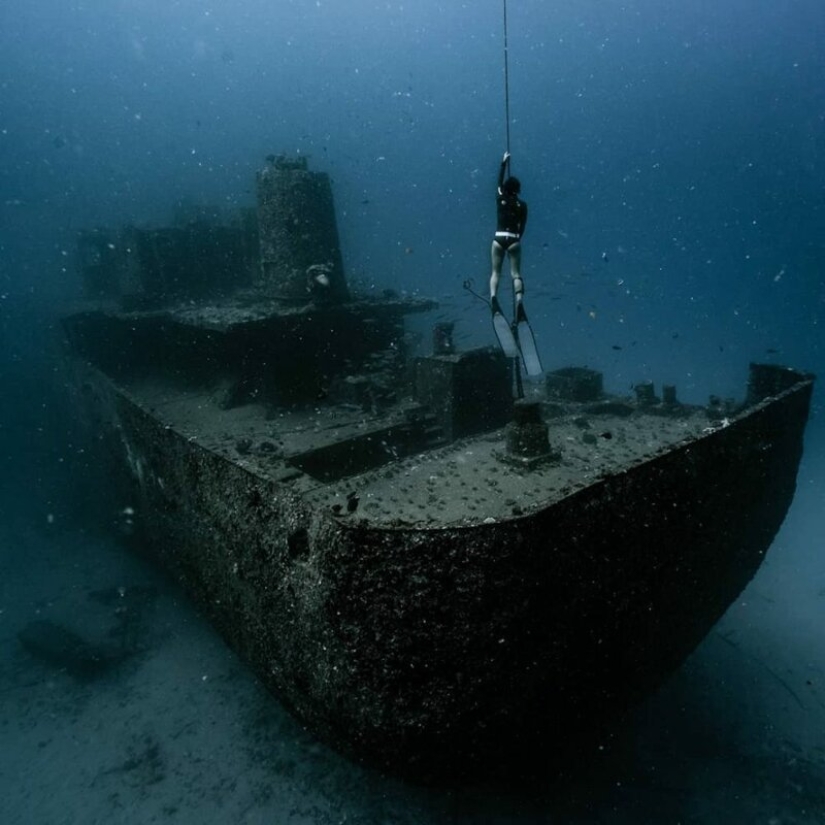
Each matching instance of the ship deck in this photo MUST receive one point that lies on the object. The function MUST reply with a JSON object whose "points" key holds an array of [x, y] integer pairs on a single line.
{"points": [[469, 481]]}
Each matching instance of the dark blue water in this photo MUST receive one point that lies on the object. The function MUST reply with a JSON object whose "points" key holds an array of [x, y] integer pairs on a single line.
{"points": [[672, 157]]}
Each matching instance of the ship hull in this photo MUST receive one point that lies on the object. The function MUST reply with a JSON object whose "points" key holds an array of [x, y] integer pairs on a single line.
{"points": [[441, 653]]}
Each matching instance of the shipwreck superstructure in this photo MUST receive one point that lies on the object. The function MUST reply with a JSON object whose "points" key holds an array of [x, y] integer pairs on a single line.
{"points": [[433, 576]]}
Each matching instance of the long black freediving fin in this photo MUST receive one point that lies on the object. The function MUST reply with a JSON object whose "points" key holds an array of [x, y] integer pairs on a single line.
{"points": [[527, 343], [504, 333]]}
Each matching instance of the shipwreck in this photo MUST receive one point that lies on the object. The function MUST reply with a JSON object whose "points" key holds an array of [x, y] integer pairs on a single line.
{"points": [[435, 577]]}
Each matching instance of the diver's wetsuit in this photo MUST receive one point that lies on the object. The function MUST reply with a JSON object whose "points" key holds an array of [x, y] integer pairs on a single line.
{"points": [[511, 219], [511, 214]]}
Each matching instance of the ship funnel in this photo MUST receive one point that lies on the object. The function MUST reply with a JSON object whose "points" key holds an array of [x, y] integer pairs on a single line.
{"points": [[300, 252]]}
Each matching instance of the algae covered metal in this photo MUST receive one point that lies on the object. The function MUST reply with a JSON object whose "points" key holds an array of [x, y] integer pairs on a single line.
{"points": [[434, 578]]}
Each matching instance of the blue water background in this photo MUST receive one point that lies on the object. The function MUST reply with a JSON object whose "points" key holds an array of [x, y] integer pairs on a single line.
{"points": [[672, 155]]}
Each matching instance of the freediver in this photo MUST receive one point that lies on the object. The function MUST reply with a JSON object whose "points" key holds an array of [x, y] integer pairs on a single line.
{"points": [[511, 219]]}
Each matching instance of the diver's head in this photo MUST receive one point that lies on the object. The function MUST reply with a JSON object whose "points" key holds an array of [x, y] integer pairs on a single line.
{"points": [[512, 186]]}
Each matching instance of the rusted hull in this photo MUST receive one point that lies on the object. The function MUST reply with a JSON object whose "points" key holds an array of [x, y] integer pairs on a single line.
{"points": [[436, 651]]}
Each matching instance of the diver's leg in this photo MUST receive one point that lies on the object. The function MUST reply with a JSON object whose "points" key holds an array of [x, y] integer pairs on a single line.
{"points": [[515, 271], [497, 257]]}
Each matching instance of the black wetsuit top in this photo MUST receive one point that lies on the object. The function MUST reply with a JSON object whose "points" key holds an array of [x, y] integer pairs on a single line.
{"points": [[511, 212]]}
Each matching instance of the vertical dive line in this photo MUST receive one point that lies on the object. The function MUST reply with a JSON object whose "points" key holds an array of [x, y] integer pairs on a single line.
{"points": [[507, 130], [506, 80]]}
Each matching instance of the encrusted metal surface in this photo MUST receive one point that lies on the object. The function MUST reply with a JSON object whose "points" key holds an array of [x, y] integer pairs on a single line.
{"points": [[461, 646], [428, 587]]}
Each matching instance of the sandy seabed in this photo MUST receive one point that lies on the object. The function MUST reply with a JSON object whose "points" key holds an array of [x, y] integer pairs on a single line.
{"points": [[182, 732]]}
